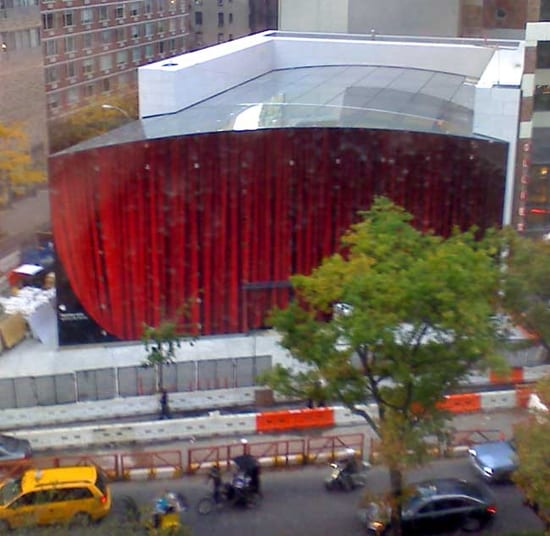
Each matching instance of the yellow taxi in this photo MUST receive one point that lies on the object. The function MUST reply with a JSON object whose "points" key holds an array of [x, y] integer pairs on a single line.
{"points": [[63, 495]]}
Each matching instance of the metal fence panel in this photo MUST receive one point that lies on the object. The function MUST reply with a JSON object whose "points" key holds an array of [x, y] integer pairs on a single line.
{"points": [[262, 363], [85, 385], [146, 381], [45, 390], [244, 372], [170, 376], [64, 385], [206, 374], [127, 381], [105, 383], [7, 394], [225, 373], [186, 376], [25, 392]]}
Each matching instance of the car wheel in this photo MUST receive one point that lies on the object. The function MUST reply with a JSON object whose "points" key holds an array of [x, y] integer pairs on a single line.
{"points": [[472, 524], [81, 519]]}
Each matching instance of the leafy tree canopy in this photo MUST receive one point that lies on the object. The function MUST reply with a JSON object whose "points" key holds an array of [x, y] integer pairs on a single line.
{"points": [[527, 286], [397, 317], [533, 448]]}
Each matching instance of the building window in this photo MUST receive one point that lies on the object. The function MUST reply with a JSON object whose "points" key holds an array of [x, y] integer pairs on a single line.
{"points": [[53, 101], [48, 21], [135, 32], [148, 6], [72, 95], [160, 6], [88, 66], [86, 15], [89, 90], [162, 47], [106, 37], [198, 18], [543, 55], [230, 38], [230, 21], [51, 47], [172, 25], [542, 98], [198, 2], [121, 57], [220, 20], [106, 62], [103, 13], [172, 6], [71, 69], [149, 29], [119, 11], [120, 34], [51, 75], [171, 44], [160, 26], [220, 38], [136, 54], [88, 40], [106, 85], [544, 11], [70, 44], [68, 18], [149, 52], [538, 200], [220, 3], [134, 9]]}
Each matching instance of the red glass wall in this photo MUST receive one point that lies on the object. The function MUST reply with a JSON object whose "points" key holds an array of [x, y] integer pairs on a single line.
{"points": [[223, 219]]}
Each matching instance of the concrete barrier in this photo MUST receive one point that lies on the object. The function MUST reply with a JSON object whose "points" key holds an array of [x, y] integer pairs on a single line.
{"points": [[498, 400]]}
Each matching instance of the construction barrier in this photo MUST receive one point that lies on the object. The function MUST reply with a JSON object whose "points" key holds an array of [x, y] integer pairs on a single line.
{"points": [[513, 376], [151, 465], [463, 403], [276, 421], [523, 393]]}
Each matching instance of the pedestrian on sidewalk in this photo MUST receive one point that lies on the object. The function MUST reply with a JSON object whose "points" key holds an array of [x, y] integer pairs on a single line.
{"points": [[164, 406]]}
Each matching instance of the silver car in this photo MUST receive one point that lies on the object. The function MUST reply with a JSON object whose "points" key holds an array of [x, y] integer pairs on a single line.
{"points": [[13, 449], [495, 461]]}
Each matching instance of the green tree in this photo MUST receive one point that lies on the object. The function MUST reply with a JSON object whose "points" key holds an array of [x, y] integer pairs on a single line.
{"points": [[17, 172], [92, 120], [161, 342], [416, 318], [533, 449], [527, 286]]}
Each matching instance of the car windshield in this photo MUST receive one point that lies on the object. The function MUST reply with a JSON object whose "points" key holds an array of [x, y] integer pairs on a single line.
{"points": [[8, 443], [10, 490]]}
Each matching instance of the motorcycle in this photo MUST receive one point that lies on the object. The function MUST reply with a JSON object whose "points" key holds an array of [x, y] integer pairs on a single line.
{"points": [[344, 479]]}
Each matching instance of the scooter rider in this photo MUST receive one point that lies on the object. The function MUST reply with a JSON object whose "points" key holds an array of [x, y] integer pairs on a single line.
{"points": [[348, 467]]}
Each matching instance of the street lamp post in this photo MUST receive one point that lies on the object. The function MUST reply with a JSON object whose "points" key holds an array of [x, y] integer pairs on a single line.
{"points": [[117, 108]]}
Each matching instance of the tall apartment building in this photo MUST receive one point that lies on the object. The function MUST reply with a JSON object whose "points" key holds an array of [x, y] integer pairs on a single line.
{"points": [[93, 47], [218, 21], [22, 96], [533, 165]]}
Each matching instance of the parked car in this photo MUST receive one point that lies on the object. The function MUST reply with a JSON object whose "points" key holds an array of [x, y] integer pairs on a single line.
{"points": [[495, 461], [436, 506], [76, 495], [13, 448]]}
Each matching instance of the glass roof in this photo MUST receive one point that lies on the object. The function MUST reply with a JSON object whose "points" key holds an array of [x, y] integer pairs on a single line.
{"points": [[340, 96]]}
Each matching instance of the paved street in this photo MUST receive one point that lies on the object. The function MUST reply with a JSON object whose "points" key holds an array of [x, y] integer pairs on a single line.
{"points": [[296, 504]]}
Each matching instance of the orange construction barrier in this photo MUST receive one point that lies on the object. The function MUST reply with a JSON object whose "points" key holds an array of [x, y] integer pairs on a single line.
{"points": [[523, 392], [464, 403], [273, 421], [515, 375]]}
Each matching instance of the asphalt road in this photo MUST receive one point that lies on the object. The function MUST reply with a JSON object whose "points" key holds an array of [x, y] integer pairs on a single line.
{"points": [[295, 503]]}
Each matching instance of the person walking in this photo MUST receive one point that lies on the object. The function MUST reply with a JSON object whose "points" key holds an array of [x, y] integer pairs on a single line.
{"points": [[164, 407]]}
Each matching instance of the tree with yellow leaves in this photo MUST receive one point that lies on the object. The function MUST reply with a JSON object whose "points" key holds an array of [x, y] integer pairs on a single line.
{"points": [[17, 173]]}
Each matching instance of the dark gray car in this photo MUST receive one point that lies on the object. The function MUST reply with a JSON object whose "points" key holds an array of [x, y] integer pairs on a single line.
{"points": [[495, 461], [13, 449]]}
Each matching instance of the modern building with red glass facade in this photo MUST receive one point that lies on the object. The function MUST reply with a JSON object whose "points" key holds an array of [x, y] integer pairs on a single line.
{"points": [[251, 159]]}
